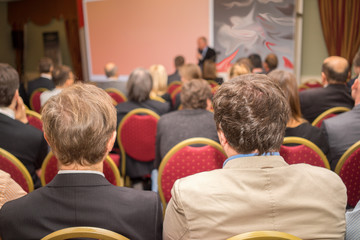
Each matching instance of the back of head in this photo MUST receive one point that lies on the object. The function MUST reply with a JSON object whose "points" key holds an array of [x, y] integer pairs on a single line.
{"points": [[61, 74], [288, 84], [209, 69], [336, 69], [78, 124], [110, 70], [159, 78], [356, 61], [245, 61], [271, 61], [255, 60], [190, 71], [139, 85], [9, 83], [252, 112], [45, 65], [238, 69], [194, 94], [179, 61]]}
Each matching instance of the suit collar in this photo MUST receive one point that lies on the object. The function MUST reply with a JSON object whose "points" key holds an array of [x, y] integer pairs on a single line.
{"points": [[78, 180], [256, 162]]}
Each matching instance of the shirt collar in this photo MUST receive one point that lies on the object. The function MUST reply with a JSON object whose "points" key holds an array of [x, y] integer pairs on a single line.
{"points": [[8, 112], [46, 75], [249, 155], [80, 171]]}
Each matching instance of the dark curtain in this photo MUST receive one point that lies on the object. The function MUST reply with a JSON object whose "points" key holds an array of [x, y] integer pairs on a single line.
{"points": [[72, 36]]}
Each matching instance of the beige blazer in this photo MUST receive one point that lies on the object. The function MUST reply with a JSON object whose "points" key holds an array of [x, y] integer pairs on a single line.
{"points": [[257, 193]]}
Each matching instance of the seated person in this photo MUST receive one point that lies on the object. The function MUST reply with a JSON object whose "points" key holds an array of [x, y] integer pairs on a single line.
{"points": [[62, 77], [179, 61], [209, 72], [24, 141], [256, 189], [353, 223], [297, 126], [80, 126], [256, 63], [46, 66], [238, 69], [159, 77], [270, 63], [9, 189], [192, 121], [111, 72]]}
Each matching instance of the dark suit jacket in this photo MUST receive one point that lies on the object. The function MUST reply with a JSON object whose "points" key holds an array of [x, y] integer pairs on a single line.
{"points": [[174, 77], [24, 141], [315, 101], [117, 84], [82, 199], [210, 54], [342, 131], [40, 82]]}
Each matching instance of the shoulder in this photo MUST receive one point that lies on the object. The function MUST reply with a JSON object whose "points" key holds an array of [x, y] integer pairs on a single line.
{"points": [[312, 92], [339, 119]]}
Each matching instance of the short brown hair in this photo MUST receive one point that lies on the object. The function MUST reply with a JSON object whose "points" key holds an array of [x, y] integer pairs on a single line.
{"points": [[209, 70], [190, 71], [139, 85], [9, 83], [78, 123], [194, 94], [287, 82], [252, 112], [335, 71], [60, 74], [179, 61], [45, 65], [272, 61]]}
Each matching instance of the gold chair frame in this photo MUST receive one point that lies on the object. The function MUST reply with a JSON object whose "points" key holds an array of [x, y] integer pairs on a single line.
{"points": [[114, 168], [174, 83], [173, 150], [114, 90], [84, 232], [303, 141], [345, 156], [264, 235], [32, 96], [157, 98], [20, 166], [329, 111], [33, 113]]}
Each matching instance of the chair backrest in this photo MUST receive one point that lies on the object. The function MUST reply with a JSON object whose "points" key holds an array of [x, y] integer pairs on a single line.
{"points": [[312, 83], [332, 112], [192, 159], [173, 95], [348, 170], [84, 232], [118, 96], [49, 170], [35, 103], [137, 136], [264, 235], [172, 86], [304, 152], [157, 98], [34, 119], [10, 164]]}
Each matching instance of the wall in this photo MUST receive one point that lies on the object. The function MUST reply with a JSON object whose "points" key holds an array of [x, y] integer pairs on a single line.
{"points": [[7, 53]]}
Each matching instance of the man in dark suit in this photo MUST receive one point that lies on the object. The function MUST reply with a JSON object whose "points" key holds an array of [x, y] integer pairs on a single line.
{"points": [[81, 136], [16, 135], [111, 72], [44, 81], [313, 102], [178, 62], [343, 130], [204, 51]]}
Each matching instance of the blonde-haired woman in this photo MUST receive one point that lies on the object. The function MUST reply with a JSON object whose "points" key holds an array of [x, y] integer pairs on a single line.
{"points": [[159, 77]]}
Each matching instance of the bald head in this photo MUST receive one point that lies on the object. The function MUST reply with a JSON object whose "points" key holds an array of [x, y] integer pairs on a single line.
{"points": [[202, 43], [111, 70], [335, 69]]}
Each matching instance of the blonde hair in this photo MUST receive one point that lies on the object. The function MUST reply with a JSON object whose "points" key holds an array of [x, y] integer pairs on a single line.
{"points": [[159, 77], [238, 69]]}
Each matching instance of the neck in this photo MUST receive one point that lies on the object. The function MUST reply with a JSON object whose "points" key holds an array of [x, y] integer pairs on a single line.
{"points": [[75, 166], [294, 123]]}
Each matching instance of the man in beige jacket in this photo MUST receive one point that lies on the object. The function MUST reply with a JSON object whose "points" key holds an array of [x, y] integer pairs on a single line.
{"points": [[256, 189]]}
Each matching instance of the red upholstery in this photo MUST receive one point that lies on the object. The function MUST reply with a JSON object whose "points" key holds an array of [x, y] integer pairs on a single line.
{"points": [[188, 161], [173, 87], [174, 94], [118, 98], [109, 173], [36, 122], [35, 101], [324, 118], [7, 166], [138, 137], [350, 175], [115, 157], [301, 154]]}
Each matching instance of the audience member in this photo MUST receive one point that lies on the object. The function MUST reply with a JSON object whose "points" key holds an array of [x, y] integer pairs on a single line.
{"points": [[9, 189], [62, 77], [315, 101], [204, 51], [209, 72], [179, 61], [297, 126], [353, 223], [256, 189], [80, 126], [256, 63], [343, 130], [192, 121], [159, 77], [111, 72], [271, 63], [247, 62], [16, 136], [238, 69], [44, 81], [356, 66]]}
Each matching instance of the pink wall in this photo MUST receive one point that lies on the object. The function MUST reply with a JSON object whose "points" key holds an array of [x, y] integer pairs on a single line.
{"points": [[144, 32]]}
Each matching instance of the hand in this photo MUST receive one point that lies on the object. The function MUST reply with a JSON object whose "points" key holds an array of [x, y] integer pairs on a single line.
{"points": [[20, 112], [199, 56]]}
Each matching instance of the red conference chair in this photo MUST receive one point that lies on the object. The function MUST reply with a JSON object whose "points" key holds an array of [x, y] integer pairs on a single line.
{"points": [[332, 112], [184, 159], [173, 86], [34, 119], [304, 152], [313, 83], [137, 136], [116, 95], [174, 94], [348, 170], [10, 164], [35, 103], [49, 170]]}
